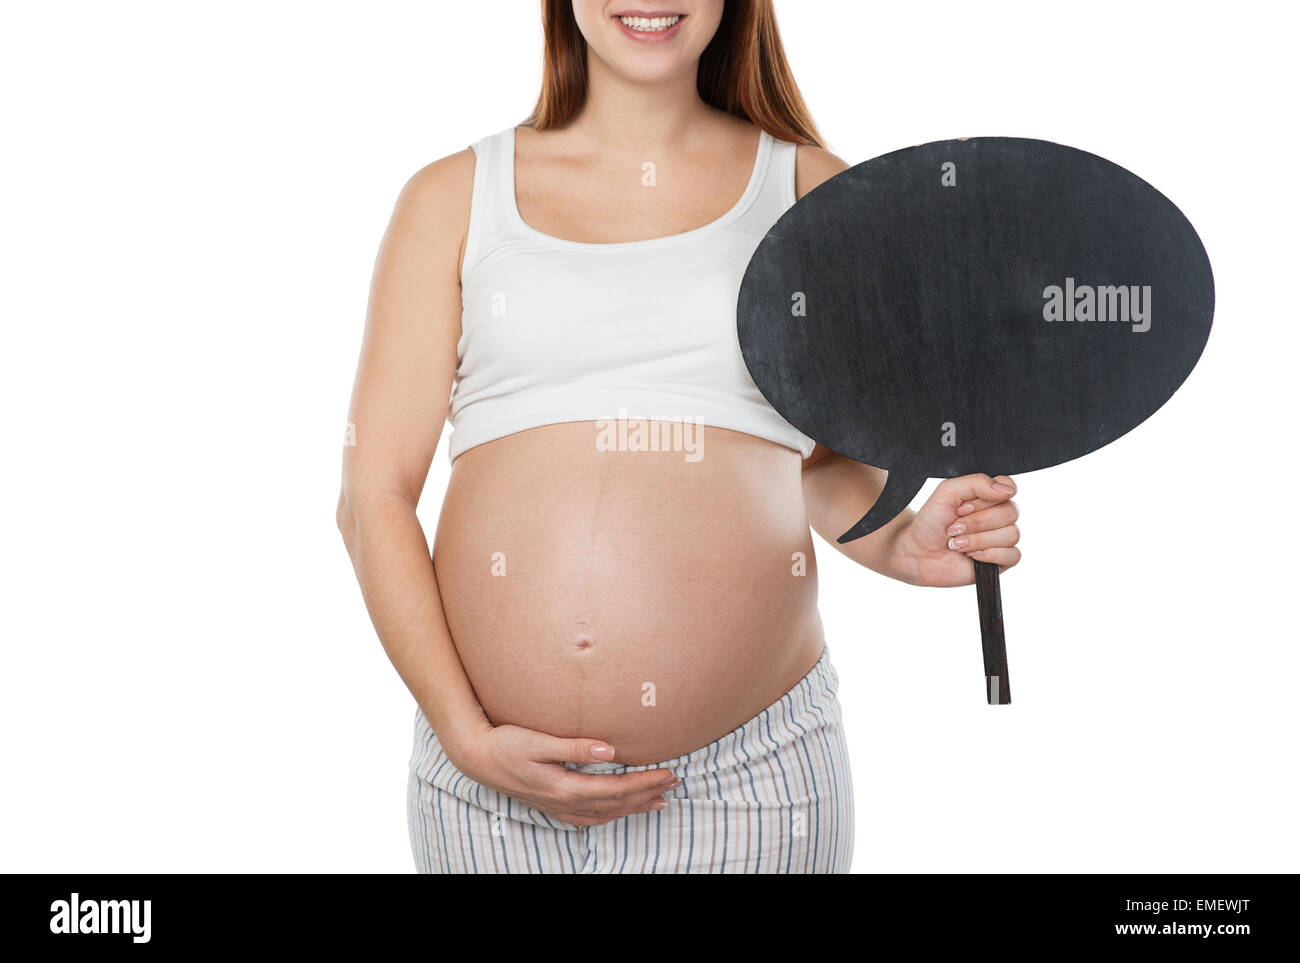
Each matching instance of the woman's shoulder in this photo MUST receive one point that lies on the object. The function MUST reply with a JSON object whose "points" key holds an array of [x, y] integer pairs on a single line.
{"points": [[812, 166], [433, 206], [446, 185], [443, 181]]}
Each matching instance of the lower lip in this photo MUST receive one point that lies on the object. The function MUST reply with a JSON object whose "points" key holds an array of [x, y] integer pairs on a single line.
{"points": [[646, 37]]}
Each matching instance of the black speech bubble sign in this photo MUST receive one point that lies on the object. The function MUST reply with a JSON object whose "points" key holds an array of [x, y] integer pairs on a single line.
{"points": [[990, 304], [924, 308]]}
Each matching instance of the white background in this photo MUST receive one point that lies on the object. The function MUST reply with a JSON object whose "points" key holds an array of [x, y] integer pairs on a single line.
{"points": [[191, 202]]}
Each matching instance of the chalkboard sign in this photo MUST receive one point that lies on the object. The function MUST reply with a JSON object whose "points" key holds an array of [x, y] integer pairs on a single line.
{"points": [[989, 304]]}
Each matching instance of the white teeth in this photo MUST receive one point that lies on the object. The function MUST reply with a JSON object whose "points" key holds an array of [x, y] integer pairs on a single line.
{"points": [[649, 24]]}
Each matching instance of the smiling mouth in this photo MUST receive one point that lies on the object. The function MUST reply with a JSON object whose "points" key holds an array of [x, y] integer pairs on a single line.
{"points": [[657, 24]]}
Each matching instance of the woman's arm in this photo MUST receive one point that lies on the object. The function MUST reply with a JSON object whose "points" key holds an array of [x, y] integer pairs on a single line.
{"points": [[837, 492], [399, 403], [967, 517]]}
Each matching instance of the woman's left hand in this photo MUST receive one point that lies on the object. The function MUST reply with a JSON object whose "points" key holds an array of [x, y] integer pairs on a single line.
{"points": [[968, 517]]}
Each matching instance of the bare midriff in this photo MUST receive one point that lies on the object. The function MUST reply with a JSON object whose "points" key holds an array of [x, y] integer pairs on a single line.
{"points": [[653, 599]]}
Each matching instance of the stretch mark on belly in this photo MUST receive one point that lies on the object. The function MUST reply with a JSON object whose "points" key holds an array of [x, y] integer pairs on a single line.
{"points": [[607, 473]]}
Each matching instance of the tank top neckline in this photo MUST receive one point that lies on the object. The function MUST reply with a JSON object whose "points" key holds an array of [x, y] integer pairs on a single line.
{"points": [[761, 158]]}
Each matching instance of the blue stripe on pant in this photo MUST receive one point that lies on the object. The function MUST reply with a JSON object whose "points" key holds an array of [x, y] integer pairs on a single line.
{"points": [[773, 796]]}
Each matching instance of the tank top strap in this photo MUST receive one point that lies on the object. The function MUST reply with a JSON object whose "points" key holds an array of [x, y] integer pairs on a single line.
{"points": [[775, 192], [782, 171], [493, 196]]}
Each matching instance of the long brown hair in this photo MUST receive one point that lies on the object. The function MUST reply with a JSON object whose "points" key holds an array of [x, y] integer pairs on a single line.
{"points": [[743, 71]]}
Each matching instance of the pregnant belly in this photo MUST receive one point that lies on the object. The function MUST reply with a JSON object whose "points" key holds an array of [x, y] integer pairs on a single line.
{"points": [[637, 597]]}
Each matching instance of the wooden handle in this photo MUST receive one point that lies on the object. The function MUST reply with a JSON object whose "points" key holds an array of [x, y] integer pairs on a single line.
{"points": [[989, 594]]}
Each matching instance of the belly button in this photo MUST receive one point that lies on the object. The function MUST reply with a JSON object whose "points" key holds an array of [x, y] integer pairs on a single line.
{"points": [[580, 635]]}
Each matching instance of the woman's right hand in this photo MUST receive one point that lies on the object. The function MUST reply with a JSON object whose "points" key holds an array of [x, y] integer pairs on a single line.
{"points": [[529, 766]]}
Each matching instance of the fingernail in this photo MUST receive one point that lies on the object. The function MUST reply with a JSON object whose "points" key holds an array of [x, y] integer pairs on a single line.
{"points": [[1004, 488], [958, 542], [965, 507], [958, 529], [658, 804], [668, 778], [602, 753]]}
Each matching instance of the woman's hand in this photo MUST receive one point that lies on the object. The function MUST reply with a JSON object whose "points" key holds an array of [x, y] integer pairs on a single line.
{"points": [[968, 517], [528, 765]]}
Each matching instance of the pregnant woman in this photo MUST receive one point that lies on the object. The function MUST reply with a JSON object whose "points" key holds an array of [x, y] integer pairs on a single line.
{"points": [[615, 650]]}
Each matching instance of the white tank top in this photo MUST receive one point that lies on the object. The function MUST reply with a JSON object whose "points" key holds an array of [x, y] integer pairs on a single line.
{"points": [[554, 330]]}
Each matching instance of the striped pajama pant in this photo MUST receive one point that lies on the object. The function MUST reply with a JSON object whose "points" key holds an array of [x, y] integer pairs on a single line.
{"points": [[773, 796]]}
